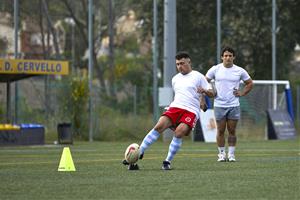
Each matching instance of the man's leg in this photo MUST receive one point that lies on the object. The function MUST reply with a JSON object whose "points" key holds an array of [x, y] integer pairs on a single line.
{"points": [[174, 147], [221, 126], [175, 144], [162, 124], [232, 139], [149, 139]]}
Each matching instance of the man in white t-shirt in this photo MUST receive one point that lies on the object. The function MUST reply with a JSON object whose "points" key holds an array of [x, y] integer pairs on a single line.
{"points": [[227, 77], [189, 86]]}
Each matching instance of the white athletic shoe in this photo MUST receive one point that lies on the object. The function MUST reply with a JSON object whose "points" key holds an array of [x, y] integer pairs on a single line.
{"points": [[221, 157], [231, 158]]}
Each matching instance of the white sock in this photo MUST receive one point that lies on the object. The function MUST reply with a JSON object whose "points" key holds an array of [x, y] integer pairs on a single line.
{"points": [[221, 149], [173, 148], [231, 150], [149, 139]]}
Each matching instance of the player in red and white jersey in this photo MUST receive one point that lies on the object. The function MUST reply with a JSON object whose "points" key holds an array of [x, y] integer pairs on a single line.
{"points": [[189, 88]]}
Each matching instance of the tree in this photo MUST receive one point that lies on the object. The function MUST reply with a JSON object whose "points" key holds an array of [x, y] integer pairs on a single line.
{"points": [[196, 31], [248, 25]]}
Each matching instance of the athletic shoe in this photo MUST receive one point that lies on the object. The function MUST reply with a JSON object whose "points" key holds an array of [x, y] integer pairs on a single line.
{"points": [[221, 157], [231, 158], [133, 167], [141, 156], [124, 162], [166, 165]]}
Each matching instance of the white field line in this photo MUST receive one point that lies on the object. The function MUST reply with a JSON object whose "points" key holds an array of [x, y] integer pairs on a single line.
{"points": [[149, 157], [161, 149]]}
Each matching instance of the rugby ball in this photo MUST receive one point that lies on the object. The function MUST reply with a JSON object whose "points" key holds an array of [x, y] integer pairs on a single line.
{"points": [[132, 153]]}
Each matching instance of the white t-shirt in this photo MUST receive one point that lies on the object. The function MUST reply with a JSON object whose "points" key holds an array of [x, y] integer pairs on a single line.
{"points": [[226, 80], [185, 89]]}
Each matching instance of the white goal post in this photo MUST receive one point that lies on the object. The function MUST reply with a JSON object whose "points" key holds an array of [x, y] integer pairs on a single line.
{"points": [[274, 83]]}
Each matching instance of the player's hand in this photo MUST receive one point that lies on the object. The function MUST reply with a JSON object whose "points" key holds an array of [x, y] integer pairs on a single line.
{"points": [[201, 90], [237, 92]]}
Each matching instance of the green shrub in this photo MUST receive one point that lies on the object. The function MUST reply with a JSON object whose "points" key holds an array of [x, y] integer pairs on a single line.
{"points": [[74, 104], [115, 126]]}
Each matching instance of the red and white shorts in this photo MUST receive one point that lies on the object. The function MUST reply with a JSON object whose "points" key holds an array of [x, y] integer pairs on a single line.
{"points": [[179, 115]]}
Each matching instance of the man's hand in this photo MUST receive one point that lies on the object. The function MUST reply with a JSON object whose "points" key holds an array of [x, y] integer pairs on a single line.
{"points": [[237, 92], [201, 90]]}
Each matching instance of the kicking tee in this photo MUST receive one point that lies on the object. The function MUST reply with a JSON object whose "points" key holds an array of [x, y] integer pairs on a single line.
{"points": [[226, 81], [185, 89]]}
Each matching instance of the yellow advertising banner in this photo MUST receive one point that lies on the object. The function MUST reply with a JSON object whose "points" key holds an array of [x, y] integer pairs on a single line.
{"points": [[43, 67]]}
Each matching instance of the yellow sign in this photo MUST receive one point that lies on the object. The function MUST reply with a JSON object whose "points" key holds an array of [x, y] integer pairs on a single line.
{"points": [[14, 66]]}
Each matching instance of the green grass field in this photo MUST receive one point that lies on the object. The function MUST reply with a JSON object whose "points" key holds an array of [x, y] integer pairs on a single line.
{"points": [[264, 170]]}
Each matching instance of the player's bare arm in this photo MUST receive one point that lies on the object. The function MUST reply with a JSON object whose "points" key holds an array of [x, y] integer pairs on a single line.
{"points": [[208, 92], [248, 87], [203, 104]]}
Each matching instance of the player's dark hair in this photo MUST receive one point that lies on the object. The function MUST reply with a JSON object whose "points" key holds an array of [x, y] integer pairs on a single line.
{"points": [[182, 54], [229, 49]]}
